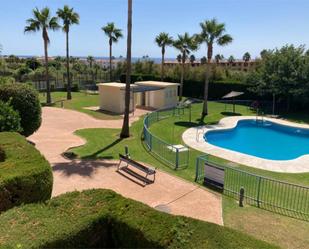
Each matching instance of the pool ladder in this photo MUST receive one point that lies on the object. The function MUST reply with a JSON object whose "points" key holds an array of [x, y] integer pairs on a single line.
{"points": [[259, 119], [199, 131]]}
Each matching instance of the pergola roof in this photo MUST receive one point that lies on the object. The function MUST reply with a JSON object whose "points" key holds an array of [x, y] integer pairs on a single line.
{"points": [[142, 88], [232, 94]]}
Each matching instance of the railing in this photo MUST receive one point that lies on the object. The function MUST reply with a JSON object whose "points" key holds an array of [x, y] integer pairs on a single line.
{"points": [[263, 192], [169, 153]]}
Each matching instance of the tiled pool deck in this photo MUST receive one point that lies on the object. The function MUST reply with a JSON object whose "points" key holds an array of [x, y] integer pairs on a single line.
{"points": [[193, 137]]}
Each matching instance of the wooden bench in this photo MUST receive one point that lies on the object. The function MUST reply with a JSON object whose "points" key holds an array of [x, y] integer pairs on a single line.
{"points": [[141, 167]]}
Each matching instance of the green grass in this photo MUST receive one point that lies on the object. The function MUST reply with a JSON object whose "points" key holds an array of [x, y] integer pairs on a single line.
{"points": [[104, 143], [277, 229], [104, 219], [78, 103]]}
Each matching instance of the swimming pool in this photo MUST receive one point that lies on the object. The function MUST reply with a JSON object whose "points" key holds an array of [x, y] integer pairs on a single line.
{"points": [[265, 139]]}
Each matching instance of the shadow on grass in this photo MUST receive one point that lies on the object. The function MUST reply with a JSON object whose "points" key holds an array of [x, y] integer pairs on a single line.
{"points": [[186, 124], [83, 167], [231, 113], [95, 154]]}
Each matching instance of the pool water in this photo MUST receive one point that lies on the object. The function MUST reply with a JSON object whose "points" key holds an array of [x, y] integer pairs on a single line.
{"points": [[265, 139]]}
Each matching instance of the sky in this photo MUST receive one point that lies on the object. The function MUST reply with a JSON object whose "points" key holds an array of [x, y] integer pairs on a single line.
{"points": [[254, 25]]}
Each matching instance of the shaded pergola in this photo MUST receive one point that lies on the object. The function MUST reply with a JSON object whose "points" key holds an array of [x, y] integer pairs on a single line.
{"points": [[232, 95], [143, 89]]}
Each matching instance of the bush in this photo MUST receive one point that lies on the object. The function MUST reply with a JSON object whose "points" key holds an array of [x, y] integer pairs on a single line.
{"points": [[9, 118], [25, 100], [104, 219], [2, 155], [25, 175]]}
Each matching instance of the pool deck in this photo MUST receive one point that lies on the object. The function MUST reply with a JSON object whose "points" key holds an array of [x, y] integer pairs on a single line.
{"points": [[193, 137]]}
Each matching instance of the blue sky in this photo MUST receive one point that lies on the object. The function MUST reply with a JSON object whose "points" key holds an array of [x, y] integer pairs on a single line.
{"points": [[254, 25]]}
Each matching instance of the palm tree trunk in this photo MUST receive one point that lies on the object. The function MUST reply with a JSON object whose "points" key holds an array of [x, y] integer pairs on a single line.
{"points": [[182, 75], [69, 95], [162, 65], [48, 96], [110, 60], [206, 88], [125, 126]]}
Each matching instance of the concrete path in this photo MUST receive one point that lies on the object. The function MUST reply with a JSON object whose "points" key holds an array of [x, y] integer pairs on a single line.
{"points": [[168, 193]]}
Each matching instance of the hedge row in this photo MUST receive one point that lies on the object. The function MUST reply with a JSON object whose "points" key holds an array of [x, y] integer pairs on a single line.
{"points": [[195, 89], [25, 176], [104, 219]]}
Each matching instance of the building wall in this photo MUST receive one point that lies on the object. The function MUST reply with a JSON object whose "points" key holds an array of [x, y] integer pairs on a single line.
{"points": [[110, 99], [164, 98]]}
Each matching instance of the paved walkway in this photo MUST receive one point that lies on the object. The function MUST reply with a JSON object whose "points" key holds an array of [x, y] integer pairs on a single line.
{"points": [[168, 193]]}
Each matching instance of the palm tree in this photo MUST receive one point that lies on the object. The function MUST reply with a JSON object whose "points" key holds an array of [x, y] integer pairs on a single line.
{"points": [[125, 132], [163, 40], [231, 59], [246, 57], [212, 33], [113, 34], [185, 44], [91, 61], [69, 17], [218, 58], [192, 58], [43, 21]]}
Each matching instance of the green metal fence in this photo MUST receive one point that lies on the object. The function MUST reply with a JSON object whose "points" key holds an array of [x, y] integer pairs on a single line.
{"points": [[277, 196], [173, 156]]}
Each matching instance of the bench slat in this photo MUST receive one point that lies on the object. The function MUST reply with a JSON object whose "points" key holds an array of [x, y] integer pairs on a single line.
{"points": [[141, 167]]}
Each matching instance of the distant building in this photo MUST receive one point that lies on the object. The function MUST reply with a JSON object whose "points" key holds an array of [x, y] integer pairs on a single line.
{"points": [[239, 65]]}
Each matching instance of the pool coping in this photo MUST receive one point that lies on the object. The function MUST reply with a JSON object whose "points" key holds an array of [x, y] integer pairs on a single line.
{"points": [[193, 137]]}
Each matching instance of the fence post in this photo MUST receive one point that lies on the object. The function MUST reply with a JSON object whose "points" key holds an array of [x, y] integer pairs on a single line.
{"points": [[150, 141], [241, 196], [197, 163], [258, 193], [177, 158]]}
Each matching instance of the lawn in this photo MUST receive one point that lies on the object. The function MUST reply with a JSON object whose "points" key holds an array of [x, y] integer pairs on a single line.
{"points": [[79, 102], [105, 143]]}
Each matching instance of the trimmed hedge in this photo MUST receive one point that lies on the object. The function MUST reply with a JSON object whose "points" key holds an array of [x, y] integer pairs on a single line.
{"points": [[104, 219], [25, 176], [9, 118], [195, 89], [24, 99]]}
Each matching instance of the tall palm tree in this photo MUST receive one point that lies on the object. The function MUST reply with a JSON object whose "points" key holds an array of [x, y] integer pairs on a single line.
{"points": [[218, 58], [91, 61], [185, 44], [231, 59], [246, 57], [113, 34], [68, 17], [212, 33], [125, 132], [43, 21], [163, 40]]}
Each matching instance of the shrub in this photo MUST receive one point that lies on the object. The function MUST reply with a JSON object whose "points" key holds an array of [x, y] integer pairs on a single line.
{"points": [[25, 175], [25, 100], [9, 118], [2, 155], [104, 219]]}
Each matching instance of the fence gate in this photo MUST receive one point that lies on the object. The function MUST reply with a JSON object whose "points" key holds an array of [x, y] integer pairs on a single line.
{"points": [[214, 176]]}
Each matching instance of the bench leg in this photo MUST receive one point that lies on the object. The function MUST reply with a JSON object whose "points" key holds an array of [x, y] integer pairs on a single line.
{"points": [[118, 165]]}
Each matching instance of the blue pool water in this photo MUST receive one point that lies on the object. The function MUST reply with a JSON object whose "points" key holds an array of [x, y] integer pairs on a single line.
{"points": [[262, 139]]}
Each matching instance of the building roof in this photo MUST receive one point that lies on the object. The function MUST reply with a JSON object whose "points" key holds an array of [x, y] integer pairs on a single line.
{"points": [[115, 84], [156, 83]]}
